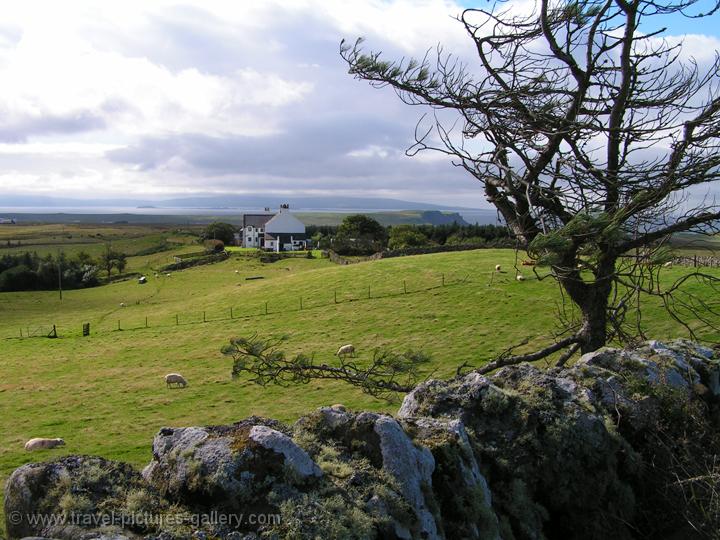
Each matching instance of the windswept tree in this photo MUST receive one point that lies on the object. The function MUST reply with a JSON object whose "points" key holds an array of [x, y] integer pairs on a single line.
{"points": [[593, 136]]}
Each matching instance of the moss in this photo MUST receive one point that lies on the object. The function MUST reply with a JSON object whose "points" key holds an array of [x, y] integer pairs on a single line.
{"points": [[71, 504], [330, 462], [313, 517]]}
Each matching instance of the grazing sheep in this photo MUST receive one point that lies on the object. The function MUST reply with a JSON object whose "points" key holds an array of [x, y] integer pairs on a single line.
{"points": [[157, 275], [237, 271], [167, 275], [498, 267], [123, 304], [40, 443], [345, 350], [176, 379], [520, 277], [668, 264]]}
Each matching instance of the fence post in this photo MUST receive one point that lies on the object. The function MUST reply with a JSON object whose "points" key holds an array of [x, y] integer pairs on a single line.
{"points": [[443, 280], [266, 311], [231, 313], [404, 287], [301, 303], [368, 292], [336, 296], [119, 324], [177, 322], [204, 317], [21, 332], [146, 324]]}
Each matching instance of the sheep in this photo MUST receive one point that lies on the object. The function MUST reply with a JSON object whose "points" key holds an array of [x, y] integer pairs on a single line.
{"points": [[39, 443], [237, 271], [123, 304], [167, 275], [176, 379], [520, 277], [345, 350], [668, 264], [498, 267]]}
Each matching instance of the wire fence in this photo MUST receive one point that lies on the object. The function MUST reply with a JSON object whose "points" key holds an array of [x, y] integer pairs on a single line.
{"points": [[127, 318]]}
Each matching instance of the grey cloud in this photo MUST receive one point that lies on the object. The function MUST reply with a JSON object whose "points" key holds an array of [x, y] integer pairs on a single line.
{"points": [[18, 130]]}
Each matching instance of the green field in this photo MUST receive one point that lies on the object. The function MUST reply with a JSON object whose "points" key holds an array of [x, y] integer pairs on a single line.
{"points": [[105, 394]]}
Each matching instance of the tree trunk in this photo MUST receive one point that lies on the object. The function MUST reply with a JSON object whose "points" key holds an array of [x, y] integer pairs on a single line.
{"points": [[592, 298]]}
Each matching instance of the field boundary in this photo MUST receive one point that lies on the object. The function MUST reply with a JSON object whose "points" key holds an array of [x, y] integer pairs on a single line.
{"points": [[261, 309]]}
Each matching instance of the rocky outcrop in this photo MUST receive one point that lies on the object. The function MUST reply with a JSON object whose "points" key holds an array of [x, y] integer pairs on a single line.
{"points": [[622, 444]]}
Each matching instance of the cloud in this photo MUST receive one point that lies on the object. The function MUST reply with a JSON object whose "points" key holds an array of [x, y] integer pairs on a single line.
{"points": [[150, 98]]}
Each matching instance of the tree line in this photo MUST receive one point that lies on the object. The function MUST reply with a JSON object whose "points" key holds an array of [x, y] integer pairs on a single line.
{"points": [[32, 272], [362, 235]]}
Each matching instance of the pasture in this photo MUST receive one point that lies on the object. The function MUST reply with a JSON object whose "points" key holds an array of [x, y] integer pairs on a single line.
{"points": [[105, 394]]}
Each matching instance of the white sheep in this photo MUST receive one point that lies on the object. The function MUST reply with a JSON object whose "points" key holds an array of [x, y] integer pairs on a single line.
{"points": [[237, 271], [345, 350], [498, 267], [167, 275], [39, 443], [520, 277], [668, 264], [123, 304], [176, 379]]}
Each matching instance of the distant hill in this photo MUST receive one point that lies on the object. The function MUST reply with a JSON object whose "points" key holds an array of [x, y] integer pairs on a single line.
{"points": [[227, 201]]}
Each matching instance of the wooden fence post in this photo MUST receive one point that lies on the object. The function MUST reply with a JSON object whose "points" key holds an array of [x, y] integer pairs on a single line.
{"points": [[301, 303], [204, 317], [404, 287], [231, 312], [266, 310], [336, 296], [177, 321], [368, 292], [119, 324], [146, 324], [443, 280]]}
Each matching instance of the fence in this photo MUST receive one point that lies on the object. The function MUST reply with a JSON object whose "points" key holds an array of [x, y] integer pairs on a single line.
{"points": [[278, 305], [698, 261]]}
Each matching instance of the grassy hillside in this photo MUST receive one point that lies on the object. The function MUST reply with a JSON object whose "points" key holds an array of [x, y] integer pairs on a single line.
{"points": [[105, 394]]}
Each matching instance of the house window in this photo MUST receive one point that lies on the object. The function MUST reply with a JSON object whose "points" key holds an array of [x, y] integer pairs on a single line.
{"points": [[249, 238]]}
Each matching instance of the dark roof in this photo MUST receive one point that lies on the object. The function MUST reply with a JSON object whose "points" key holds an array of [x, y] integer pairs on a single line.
{"points": [[256, 220]]}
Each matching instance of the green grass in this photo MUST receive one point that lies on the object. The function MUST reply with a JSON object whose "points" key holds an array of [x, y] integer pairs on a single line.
{"points": [[105, 394]]}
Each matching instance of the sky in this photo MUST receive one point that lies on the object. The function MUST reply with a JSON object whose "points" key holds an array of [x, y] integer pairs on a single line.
{"points": [[155, 99]]}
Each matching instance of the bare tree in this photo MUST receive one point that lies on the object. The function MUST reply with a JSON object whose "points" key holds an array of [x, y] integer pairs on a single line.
{"points": [[385, 375], [590, 134]]}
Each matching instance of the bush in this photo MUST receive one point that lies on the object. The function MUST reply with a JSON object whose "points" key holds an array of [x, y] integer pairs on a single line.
{"points": [[214, 246]]}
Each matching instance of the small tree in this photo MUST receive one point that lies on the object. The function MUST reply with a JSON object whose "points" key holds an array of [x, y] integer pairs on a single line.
{"points": [[120, 261], [359, 234], [585, 132], [219, 231], [405, 236]]}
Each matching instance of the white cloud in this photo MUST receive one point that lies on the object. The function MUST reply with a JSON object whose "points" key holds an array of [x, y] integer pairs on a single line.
{"points": [[158, 97]]}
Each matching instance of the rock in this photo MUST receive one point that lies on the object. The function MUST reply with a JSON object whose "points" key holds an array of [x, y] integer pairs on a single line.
{"points": [[70, 497], [295, 457], [227, 467], [411, 467]]}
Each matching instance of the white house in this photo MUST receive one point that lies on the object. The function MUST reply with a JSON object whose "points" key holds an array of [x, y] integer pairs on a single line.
{"points": [[252, 233], [278, 232], [285, 232]]}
